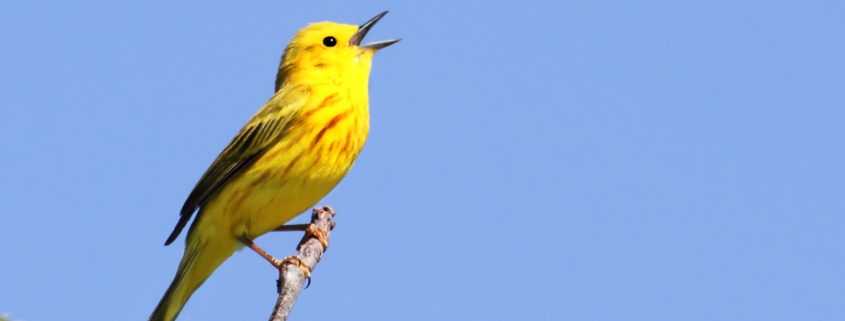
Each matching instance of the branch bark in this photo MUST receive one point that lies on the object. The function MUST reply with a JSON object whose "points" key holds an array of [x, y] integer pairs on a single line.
{"points": [[309, 251]]}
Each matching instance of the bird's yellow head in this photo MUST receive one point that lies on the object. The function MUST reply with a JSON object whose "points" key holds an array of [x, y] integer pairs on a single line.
{"points": [[328, 51]]}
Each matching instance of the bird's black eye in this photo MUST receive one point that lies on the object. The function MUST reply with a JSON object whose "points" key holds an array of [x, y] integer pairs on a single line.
{"points": [[329, 41]]}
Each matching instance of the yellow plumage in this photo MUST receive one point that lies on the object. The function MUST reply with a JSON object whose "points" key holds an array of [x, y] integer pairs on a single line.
{"points": [[298, 147]]}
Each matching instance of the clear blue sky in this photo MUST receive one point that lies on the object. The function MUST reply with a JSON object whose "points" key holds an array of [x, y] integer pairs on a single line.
{"points": [[583, 160]]}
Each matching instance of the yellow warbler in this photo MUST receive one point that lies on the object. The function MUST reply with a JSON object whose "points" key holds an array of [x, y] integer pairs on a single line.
{"points": [[298, 146]]}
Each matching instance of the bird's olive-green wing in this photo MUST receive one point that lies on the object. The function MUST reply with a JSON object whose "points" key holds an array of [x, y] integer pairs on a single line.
{"points": [[262, 131]]}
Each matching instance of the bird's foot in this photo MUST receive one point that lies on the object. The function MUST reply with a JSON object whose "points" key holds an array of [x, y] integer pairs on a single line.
{"points": [[319, 233], [293, 260]]}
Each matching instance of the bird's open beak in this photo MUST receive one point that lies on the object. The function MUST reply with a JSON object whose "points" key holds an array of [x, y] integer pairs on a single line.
{"points": [[362, 31]]}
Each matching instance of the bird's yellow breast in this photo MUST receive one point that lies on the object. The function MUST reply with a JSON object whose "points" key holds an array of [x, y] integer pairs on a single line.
{"points": [[319, 147]]}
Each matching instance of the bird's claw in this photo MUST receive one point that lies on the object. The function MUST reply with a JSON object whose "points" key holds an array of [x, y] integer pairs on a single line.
{"points": [[293, 260], [319, 233]]}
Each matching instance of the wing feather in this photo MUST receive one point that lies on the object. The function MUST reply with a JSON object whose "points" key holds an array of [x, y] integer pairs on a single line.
{"points": [[266, 128]]}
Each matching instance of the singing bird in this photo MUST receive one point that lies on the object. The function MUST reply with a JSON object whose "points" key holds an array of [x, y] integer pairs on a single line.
{"points": [[292, 152]]}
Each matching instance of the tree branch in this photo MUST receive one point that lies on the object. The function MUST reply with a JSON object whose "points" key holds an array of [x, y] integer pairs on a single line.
{"points": [[309, 252]]}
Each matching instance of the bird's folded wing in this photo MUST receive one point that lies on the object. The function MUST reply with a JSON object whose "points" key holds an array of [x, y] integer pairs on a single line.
{"points": [[267, 127]]}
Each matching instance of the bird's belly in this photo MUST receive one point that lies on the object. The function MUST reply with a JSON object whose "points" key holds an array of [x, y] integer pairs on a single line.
{"points": [[279, 186]]}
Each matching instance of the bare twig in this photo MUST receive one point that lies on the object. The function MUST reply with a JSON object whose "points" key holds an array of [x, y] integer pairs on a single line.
{"points": [[309, 252]]}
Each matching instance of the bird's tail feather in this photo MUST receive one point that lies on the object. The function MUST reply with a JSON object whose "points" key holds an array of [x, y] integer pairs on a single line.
{"points": [[199, 261]]}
